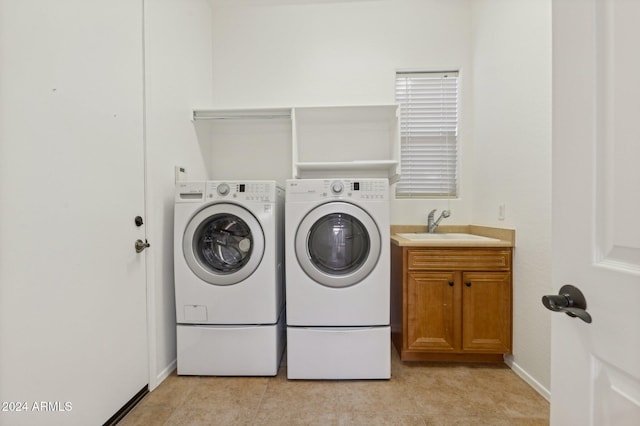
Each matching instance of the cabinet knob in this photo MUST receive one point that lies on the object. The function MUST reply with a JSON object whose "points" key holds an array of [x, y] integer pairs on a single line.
{"points": [[468, 283], [450, 283]]}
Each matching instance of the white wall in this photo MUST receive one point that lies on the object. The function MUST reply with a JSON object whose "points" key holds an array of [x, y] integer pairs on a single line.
{"points": [[178, 78], [280, 53], [285, 53], [512, 142]]}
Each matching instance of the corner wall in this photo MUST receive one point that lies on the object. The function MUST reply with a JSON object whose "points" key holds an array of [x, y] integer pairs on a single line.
{"points": [[177, 79], [283, 53], [512, 142]]}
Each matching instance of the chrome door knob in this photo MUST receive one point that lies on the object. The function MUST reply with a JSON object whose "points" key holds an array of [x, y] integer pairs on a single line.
{"points": [[141, 245]]}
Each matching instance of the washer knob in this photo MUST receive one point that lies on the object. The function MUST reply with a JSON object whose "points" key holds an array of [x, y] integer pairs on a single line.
{"points": [[337, 187], [223, 189]]}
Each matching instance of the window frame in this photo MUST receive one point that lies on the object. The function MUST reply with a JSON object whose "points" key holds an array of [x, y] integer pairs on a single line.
{"points": [[431, 131]]}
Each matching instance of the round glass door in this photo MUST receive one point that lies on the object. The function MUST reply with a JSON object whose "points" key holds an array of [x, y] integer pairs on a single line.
{"points": [[338, 244], [223, 244]]}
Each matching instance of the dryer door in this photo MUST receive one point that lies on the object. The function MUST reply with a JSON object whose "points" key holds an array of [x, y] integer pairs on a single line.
{"points": [[338, 244], [223, 244]]}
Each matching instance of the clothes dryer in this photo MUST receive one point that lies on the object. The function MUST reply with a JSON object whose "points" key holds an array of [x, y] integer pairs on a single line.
{"points": [[229, 277], [338, 279]]}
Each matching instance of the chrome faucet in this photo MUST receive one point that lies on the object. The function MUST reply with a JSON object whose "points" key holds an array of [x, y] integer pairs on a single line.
{"points": [[432, 224]]}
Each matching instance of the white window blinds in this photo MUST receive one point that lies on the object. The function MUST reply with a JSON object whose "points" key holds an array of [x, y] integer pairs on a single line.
{"points": [[428, 134]]}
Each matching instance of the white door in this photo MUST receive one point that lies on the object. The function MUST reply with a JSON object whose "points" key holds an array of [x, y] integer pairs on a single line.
{"points": [[595, 368], [72, 288]]}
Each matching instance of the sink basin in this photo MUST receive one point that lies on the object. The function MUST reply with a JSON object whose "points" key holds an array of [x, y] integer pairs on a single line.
{"points": [[425, 236]]}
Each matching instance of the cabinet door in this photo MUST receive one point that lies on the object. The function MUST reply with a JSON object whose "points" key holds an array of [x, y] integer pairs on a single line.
{"points": [[486, 312], [433, 311]]}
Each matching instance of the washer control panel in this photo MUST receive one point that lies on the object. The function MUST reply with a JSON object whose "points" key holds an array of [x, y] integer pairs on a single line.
{"points": [[346, 189], [246, 191]]}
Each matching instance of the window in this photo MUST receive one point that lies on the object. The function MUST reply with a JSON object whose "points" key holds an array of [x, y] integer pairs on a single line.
{"points": [[428, 134]]}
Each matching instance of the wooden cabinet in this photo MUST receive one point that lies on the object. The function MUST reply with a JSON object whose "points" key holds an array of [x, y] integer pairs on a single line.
{"points": [[451, 304]]}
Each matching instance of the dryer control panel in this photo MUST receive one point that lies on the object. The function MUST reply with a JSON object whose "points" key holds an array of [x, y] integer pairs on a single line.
{"points": [[347, 189]]}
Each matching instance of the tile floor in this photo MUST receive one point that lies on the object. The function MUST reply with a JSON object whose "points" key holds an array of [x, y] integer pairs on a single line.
{"points": [[428, 394]]}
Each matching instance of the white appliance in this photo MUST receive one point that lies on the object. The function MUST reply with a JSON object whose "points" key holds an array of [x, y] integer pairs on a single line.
{"points": [[229, 277], [337, 281]]}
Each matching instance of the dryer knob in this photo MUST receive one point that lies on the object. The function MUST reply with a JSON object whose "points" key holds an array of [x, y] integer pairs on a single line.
{"points": [[223, 189], [337, 187]]}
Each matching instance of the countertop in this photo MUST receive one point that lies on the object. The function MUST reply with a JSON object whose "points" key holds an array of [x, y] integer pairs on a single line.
{"points": [[505, 237]]}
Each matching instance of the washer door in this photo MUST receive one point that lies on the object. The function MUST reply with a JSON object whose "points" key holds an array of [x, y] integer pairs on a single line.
{"points": [[223, 244], [338, 244]]}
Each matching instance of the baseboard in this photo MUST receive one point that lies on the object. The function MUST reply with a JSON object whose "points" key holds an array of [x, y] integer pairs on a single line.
{"points": [[544, 392], [163, 375], [126, 408]]}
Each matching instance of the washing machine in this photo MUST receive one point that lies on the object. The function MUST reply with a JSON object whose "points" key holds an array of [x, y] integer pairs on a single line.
{"points": [[229, 277], [337, 279]]}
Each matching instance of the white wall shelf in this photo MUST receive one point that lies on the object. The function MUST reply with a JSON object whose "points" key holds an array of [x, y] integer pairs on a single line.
{"points": [[245, 144], [327, 141], [240, 114], [371, 168], [358, 141]]}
